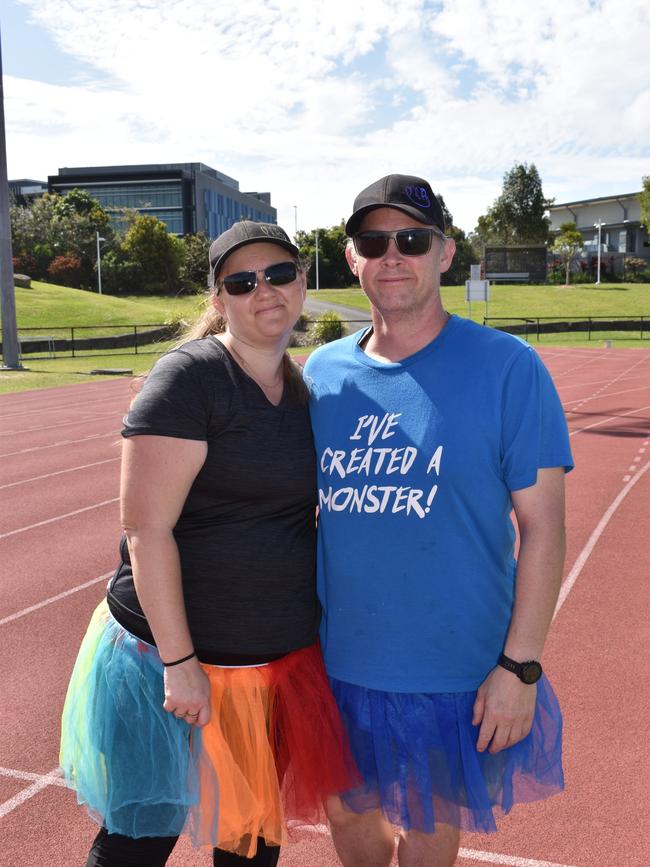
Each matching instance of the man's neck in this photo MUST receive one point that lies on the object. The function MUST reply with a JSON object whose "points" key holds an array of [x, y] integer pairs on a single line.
{"points": [[396, 338]]}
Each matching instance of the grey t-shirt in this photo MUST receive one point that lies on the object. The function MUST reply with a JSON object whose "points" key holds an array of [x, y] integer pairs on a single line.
{"points": [[246, 534]]}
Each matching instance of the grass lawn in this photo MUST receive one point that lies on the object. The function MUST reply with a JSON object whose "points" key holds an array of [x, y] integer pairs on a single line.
{"points": [[47, 307], [611, 299], [50, 372]]}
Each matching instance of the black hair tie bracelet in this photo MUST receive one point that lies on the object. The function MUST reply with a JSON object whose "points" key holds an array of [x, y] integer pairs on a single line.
{"points": [[178, 661]]}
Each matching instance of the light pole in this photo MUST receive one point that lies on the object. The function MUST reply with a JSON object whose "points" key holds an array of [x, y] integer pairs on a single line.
{"points": [[10, 342], [99, 262], [316, 235], [599, 226], [295, 220]]}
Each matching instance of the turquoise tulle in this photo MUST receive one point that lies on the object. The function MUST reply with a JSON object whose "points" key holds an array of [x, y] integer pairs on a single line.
{"points": [[105, 725]]}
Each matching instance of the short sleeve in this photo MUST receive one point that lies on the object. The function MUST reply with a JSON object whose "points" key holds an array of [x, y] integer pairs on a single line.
{"points": [[533, 426], [173, 402]]}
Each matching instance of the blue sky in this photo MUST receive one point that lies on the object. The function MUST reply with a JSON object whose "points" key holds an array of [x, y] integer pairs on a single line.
{"points": [[313, 101]]}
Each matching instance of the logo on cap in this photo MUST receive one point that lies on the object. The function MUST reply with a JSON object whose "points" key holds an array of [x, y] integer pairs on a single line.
{"points": [[418, 195], [273, 232]]}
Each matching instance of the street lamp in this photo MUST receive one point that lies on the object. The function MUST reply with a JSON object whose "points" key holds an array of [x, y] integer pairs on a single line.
{"points": [[295, 220], [99, 262], [599, 226]]}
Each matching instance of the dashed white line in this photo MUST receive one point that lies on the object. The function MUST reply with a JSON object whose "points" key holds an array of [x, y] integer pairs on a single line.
{"points": [[609, 418], [57, 473], [18, 614], [599, 395], [584, 555], [57, 518]]}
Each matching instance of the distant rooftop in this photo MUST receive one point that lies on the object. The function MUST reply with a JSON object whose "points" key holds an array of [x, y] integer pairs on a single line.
{"points": [[591, 201], [191, 168]]}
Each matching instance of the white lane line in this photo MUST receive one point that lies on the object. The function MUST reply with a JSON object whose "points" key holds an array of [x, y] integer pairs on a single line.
{"points": [[609, 418], [60, 407], [18, 614], [36, 787], [512, 860], [87, 419], [58, 518], [28, 776], [584, 555], [599, 396], [471, 854], [57, 473], [113, 433]]}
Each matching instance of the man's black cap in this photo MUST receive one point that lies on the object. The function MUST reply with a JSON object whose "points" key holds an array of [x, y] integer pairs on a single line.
{"points": [[242, 233], [407, 193]]}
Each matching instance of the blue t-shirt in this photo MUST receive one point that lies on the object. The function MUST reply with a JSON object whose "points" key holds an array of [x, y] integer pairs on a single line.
{"points": [[416, 463]]}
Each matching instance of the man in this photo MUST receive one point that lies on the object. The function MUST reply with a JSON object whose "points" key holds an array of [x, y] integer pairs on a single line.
{"points": [[429, 430]]}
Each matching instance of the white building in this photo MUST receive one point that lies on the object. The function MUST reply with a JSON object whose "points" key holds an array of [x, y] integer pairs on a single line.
{"points": [[621, 234]]}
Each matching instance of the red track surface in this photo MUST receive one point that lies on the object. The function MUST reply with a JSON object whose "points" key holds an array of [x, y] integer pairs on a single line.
{"points": [[59, 530]]}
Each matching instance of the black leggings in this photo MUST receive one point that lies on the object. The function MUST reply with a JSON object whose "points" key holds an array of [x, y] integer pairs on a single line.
{"points": [[114, 850]]}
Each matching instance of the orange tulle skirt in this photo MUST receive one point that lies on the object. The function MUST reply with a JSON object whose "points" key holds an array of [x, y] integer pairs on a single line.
{"points": [[273, 751]]}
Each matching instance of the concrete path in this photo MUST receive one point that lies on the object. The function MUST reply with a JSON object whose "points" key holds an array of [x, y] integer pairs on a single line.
{"points": [[354, 319]]}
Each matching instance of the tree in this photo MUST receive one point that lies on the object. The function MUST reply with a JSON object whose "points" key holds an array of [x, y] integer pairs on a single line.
{"points": [[517, 216], [644, 200], [446, 213], [194, 274], [333, 270], [157, 256], [567, 245], [463, 258], [54, 226]]}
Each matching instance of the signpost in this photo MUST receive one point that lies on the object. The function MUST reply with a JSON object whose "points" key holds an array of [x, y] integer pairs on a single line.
{"points": [[477, 289]]}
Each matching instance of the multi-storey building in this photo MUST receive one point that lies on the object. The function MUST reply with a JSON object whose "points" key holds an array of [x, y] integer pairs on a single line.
{"points": [[187, 197]]}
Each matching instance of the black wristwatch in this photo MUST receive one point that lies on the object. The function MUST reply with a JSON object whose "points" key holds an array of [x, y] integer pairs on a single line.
{"points": [[527, 672]]}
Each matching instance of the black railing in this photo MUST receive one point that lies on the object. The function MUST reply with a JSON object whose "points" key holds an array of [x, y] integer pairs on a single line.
{"points": [[86, 340], [534, 326]]}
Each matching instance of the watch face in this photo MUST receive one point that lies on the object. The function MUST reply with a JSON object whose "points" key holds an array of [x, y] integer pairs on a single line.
{"points": [[531, 672]]}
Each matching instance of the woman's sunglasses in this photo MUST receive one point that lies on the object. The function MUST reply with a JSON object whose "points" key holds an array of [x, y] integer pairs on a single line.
{"points": [[410, 242], [246, 281]]}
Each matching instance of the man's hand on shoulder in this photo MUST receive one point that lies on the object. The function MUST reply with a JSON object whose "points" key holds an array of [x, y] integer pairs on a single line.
{"points": [[504, 709]]}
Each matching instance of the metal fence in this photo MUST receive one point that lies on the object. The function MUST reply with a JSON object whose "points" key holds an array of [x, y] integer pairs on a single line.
{"points": [[78, 341], [590, 327]]}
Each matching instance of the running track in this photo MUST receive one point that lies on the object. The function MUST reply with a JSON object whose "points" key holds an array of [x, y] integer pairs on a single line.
{"points": [[58, 537]]}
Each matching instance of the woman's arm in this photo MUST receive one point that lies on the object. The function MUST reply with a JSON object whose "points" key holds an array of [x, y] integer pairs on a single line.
{"points": [[157, 473]]}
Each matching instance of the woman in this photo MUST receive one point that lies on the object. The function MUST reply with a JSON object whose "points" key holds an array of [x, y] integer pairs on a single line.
{"points": [[199, 701]]}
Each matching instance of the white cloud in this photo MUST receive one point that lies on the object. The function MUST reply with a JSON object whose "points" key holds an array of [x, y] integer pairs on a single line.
{"points": [[286, 96]]}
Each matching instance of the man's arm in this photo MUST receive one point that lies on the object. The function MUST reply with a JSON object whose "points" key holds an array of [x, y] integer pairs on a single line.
{"points": [[505, 706]]}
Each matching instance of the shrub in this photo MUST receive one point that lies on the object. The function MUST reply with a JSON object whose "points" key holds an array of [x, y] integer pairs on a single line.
{"points": [[328, 327], [66, 270], [303, 322], [24, 264], [639, 276]]}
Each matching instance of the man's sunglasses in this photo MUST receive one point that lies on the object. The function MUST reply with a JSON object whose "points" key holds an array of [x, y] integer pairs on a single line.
{"points": [[246, 281], [410, 242]]}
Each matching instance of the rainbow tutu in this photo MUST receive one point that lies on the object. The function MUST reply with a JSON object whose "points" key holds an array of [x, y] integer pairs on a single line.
{"points": [[273, 751], [417, 755]]}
